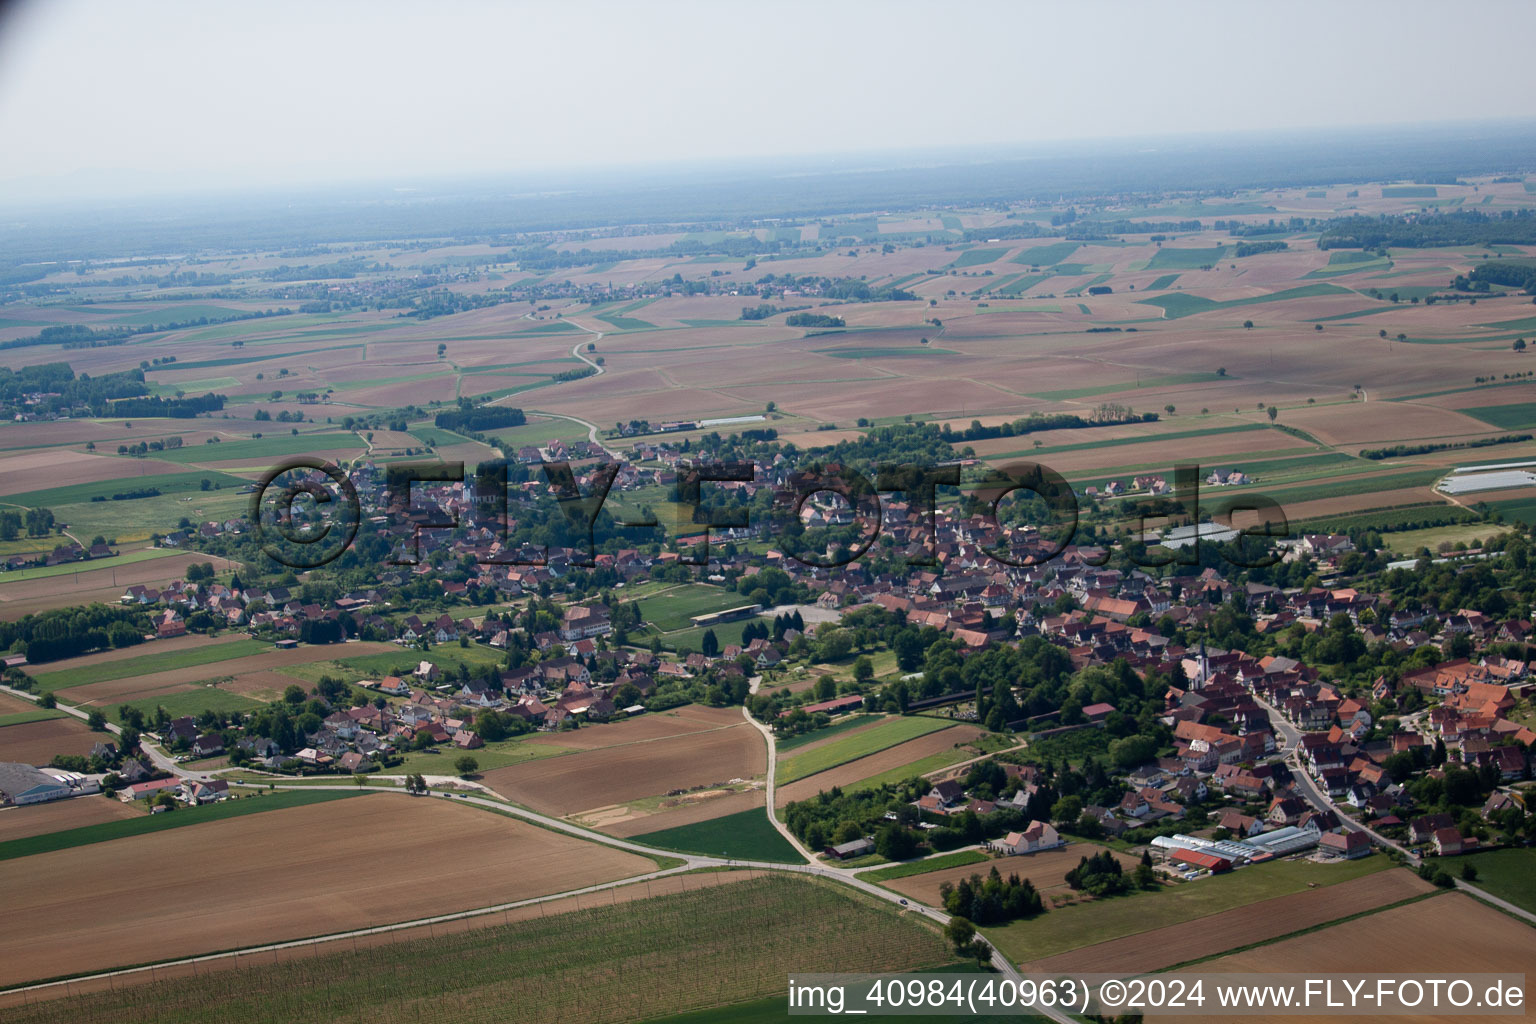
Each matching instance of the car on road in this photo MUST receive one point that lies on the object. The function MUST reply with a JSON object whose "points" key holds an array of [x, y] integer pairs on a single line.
{"points": [[903, 902]]}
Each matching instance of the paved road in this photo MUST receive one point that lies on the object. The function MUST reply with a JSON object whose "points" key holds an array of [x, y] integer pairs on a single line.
{"points": [[1317, 798], [845, 876], [159, 758]]}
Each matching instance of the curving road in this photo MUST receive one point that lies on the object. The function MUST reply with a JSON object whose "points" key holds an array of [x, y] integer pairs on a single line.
{"points": [[691, 862]]}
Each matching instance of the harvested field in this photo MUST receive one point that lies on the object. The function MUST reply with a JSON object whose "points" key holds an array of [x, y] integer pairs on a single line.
{"points": [[683, 721], [57, 815], [266, 685], [116, 691], [573, 783], [1163, 947], [63, 467], [281, 884], [1046, 870], [37, 742], [875, 764], [1439, 936], [687, 922], [12, 705], [105, 584], [674, 811]]}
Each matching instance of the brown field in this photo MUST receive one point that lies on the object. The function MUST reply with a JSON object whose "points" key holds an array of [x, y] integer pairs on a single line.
{"points": [[58, 815], [626, 821], [1268, 919], [564, 905], [262, 685], [876, 763], [175, 643], [11, 705], [1296, 511], [573, 783], [63, 467], [37, 742], [277, 883], [105, 584], [115, 691], [1046, 870], [1446, 934], [688, 719]]}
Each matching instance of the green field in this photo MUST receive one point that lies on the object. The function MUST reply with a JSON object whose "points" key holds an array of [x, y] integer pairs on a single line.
{"points": [[439, 760], [265, 447], [1518, 416], [692, 639], [194, 387], [604, 963], [1184, 304], [841, 725], [35, 715], [148, 663], [673, 609], [166, 313], [1508, 874], [745, 835], [187, 702], [167, 483], [850, 748], [539, 432], [140, 519], [921, 867], [447, 657], [1166, 281], [1314, 492], [182, 816], [1101, 920], [1046, 255], [976, 257], [45, 571], [1349, 257], [625, 323], [920, 767], [1021, 284], [1187, 259]]}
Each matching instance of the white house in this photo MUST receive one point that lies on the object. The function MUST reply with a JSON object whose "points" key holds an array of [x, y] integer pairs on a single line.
{"points": [[1040, 835]]}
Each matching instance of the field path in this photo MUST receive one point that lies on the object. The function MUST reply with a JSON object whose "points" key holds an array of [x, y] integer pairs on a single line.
{"points": [[592, 428], [773, 765]]}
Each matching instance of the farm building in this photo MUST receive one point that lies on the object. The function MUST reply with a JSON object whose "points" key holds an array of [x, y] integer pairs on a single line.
{"points": [[148, 790], [24, 784], [829, 707], [1196, 859], [1283, 841], [1348, 845], [849, 850]]}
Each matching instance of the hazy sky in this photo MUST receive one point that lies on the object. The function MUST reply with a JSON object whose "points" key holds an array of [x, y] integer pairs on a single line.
{"points": [[117, 96]]}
